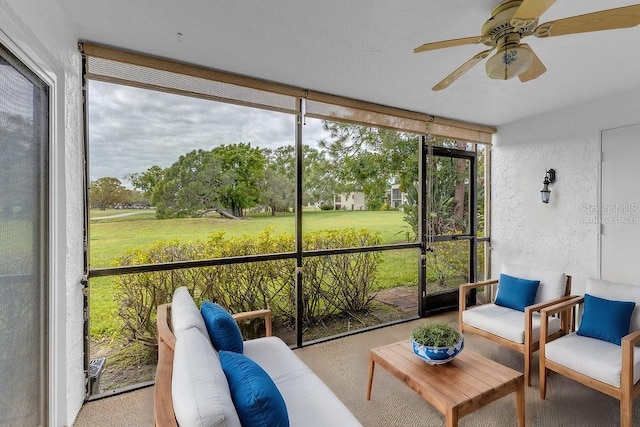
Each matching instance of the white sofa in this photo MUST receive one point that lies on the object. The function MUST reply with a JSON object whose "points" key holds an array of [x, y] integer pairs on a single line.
{"points": [[191, 387]]}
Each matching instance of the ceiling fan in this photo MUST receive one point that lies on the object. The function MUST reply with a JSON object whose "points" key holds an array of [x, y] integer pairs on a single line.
{"points": [[512, 20]]}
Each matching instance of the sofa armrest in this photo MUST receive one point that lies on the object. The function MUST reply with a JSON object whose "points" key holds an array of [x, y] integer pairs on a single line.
{"points": [[266, 314], [165, 334], [163, 414], [162, 400]]}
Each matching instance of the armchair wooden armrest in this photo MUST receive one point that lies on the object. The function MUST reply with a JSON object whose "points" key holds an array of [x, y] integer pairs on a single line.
{"points": [[266, 314], [463, 290], [626, 375], [564, 307], [566, 321], [462, 296]]}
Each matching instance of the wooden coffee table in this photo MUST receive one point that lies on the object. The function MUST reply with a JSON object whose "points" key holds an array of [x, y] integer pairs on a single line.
{"points": [[457, 388]]}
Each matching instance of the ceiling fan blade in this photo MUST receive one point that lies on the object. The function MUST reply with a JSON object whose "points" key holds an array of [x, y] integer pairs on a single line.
{"points": [[461, 70], [622, 17], [535, 70], [529, 12], [448, 43]]}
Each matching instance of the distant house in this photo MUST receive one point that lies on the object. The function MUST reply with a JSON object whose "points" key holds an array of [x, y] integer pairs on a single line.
{"points": [[396, 197], [355, 201]]}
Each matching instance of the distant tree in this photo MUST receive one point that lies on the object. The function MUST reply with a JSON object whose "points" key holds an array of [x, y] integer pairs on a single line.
{"points": [[278, 186], [225, 177], [189, 187], [242, 168], [319, 183], [276, 191], [147, 180], [367, 159], [135, 198], [106, 193]]}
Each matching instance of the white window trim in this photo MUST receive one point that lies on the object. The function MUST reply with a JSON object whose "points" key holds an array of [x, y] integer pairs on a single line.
{"points": [[16, 38]]}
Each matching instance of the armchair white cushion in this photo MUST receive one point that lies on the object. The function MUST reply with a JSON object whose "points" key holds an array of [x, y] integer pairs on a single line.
{"points": [[506, 322], [595, 358]]}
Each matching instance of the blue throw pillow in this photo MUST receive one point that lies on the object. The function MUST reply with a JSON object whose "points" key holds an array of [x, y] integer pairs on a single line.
{"points": [[222, 327], [605, 319], [257, 400], [516, 293]]}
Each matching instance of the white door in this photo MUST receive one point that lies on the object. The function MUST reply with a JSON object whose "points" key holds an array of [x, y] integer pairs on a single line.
{"points": [[620, 208]]}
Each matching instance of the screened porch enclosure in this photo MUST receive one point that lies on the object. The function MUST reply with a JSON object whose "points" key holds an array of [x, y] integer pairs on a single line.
{"points": [[324, 272]]}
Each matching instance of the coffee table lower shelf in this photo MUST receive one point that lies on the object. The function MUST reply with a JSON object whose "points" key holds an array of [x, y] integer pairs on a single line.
{"points": [[457, 388]]}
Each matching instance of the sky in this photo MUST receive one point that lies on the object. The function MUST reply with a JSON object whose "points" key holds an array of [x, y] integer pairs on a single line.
{"points": [[132, 129]]}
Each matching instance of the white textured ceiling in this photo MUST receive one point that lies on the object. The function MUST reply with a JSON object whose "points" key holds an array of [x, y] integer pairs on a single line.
{"points": [[364, 49]]}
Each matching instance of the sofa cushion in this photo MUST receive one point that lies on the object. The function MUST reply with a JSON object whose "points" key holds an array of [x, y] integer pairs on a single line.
{"points": [[505, 322], [552, 283], [185, 313], [595, 358], [255, 396], [222, 327], [619, 292], [516, 293], [199, 389], [605, 319], [309, 401]]}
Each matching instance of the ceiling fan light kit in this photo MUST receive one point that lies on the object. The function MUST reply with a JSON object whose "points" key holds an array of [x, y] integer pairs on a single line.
{"points": [[511, 60], [513, 20]]}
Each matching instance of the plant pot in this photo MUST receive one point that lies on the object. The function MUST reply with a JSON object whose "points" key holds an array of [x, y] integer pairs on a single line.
{"points": [[437, 355]]}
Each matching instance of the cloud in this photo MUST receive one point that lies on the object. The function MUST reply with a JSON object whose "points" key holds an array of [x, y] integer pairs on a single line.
{"points": [[132, 129]]}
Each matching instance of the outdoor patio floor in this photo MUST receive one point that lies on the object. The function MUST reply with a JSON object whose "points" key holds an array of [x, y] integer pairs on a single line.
{"points": [[343, 365]]}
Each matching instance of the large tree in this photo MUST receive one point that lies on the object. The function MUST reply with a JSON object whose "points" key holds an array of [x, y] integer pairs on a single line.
{"points": [[147, 180], [368, 159], [278, 186], [225, 177], [189, 187], [106, 192], [242, 169]]}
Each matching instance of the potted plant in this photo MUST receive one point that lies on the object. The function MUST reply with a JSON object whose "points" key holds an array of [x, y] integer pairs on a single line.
{"points": [[436, 342]]}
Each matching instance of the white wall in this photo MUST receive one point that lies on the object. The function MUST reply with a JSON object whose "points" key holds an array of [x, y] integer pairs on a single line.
{"points": [[38, 33], [526, 231]]}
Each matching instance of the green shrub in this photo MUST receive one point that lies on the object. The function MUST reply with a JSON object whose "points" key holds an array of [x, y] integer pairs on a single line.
{"points": [[331, 284]]}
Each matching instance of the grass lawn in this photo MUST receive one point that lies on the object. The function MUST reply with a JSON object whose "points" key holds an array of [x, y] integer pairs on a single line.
{"points": [[113, 232]]}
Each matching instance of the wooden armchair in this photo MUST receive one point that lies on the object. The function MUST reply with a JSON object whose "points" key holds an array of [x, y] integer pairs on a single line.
{"points": [[517, 330], [596, 359]]}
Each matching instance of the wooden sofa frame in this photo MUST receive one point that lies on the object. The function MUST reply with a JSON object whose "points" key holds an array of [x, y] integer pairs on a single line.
{"points": [[627, 391], [528, 347], [162, 402]]}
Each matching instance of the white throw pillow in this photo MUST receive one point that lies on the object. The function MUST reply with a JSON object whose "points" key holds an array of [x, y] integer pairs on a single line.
{"points": [[199, 389], [185, 314]]}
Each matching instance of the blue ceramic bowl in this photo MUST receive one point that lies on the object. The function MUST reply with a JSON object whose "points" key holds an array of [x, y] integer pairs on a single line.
{"points": [[437, 355]]}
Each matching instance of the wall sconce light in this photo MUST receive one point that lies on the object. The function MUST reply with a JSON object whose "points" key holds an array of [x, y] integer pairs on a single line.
{"points": [[549, 177]]}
